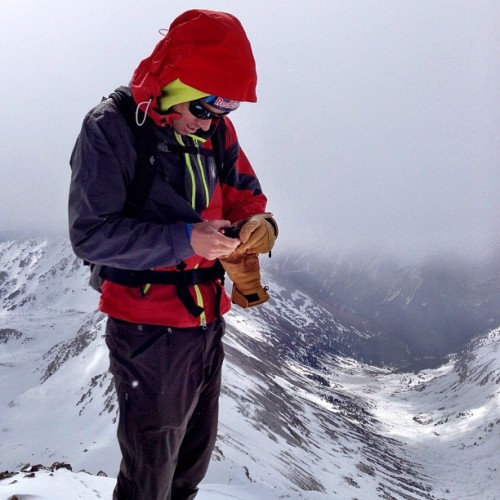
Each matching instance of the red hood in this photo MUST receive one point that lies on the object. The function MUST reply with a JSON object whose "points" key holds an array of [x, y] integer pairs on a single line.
{"points": [[206, 50]]}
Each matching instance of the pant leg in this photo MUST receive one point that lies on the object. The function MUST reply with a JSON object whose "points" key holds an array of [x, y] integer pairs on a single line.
{"points": [[168, 383], [201, 432]]}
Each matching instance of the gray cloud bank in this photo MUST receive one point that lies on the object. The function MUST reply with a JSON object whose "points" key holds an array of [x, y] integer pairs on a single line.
{"points": [[377, 123]]}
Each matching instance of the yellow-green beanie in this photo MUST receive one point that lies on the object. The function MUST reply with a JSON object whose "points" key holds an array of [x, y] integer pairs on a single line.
{"points": [[176, 92]]}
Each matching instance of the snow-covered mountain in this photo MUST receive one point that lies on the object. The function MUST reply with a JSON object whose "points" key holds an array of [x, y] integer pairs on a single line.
{"points": [[415, 315], [298, 420]]}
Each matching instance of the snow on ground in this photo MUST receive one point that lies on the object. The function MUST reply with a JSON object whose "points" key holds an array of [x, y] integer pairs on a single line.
{"points": [[448, 419], [449, 416], [66, 485], [445, 416]]}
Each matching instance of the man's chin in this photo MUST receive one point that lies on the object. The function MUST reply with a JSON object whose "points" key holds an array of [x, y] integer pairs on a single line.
{"points": [[185, 132]]}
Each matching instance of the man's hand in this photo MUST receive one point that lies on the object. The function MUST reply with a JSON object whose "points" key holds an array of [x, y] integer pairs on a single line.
{"points": [[208, 242], [258, 234]]}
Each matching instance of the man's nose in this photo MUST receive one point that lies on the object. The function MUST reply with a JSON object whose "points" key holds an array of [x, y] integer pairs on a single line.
{"points": [[204, 124]]}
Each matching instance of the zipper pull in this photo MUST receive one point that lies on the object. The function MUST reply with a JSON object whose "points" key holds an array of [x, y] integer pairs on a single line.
{"points": [[144, 290]]}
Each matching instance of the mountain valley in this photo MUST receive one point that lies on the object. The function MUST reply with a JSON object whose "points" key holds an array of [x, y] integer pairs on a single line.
{"points": [[303, 415]]}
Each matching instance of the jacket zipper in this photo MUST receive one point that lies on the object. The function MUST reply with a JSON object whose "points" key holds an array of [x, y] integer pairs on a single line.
{"points": [[189, 165]]}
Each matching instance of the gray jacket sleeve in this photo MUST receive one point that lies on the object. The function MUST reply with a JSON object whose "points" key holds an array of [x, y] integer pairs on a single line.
{"points": [[103, 163]]}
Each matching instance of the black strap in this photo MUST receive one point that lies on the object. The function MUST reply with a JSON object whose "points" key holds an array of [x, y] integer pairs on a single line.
{"points": [[181, 279], [186, 298], [192, 150], [142, 278], [218, 142], [182, 291], [146, 150], [137, 195], [218, 139]]}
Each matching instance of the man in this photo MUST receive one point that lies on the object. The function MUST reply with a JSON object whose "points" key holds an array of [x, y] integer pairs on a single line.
{"points": [[162, 282]]}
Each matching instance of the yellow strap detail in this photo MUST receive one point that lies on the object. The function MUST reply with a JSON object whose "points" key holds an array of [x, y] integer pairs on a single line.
{"points": [[203, 178], [190, 170], [199, 301]]}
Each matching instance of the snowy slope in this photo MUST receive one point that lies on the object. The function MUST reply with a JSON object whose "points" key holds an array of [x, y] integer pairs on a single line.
{"points": [[297, 421], [451, 415], [414, 314]]}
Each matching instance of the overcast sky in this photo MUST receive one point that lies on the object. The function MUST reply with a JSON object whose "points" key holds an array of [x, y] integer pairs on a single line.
{"points": [[377, 123]]}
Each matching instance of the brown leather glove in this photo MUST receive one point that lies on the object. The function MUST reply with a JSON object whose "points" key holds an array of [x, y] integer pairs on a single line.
{"points": [[244, 272], [257, 234]]}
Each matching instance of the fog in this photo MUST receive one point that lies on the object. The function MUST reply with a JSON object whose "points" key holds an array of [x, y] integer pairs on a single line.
{"points": [[377, 123]]}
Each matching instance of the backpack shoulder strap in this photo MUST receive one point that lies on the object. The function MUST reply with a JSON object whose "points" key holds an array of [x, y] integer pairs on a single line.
{"points": [[218, 144], [218, 140], [146, 149]]}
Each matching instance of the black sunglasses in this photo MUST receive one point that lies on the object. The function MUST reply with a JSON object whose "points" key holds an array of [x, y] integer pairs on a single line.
{"points": [[199, 111]]}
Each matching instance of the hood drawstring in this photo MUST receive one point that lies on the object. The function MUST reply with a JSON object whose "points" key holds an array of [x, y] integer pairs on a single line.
{"points": [[148, 103]]}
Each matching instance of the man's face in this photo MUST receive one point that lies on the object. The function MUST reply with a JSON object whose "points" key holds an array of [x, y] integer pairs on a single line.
{"points": [[187, 123]]}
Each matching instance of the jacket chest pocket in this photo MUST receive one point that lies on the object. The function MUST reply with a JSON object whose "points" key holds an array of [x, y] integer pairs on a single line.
{"points": [[200, 179], [184, 183]]}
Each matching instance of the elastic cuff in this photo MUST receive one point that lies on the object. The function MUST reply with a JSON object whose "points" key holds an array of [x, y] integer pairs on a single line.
{"points": [[179, 241], [274, 224]]}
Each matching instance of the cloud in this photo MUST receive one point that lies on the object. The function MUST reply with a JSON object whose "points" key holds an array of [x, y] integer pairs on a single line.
{"points": [[376, 122]]}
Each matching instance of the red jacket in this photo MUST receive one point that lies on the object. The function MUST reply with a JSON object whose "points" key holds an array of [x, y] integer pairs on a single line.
{"points": [[103, 164], [208, 51]]}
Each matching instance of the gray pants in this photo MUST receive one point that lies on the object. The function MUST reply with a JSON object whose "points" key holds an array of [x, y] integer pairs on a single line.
{"points": [[168, 384]]}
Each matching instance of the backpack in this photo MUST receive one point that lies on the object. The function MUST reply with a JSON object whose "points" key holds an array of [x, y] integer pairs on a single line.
{"points": [[145, 168]]}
